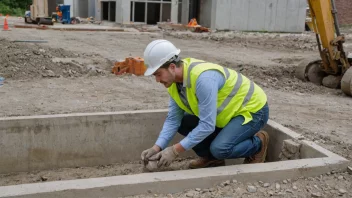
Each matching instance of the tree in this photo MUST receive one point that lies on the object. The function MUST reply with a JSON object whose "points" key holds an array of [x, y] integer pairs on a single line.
{"points": [[14, 8]]}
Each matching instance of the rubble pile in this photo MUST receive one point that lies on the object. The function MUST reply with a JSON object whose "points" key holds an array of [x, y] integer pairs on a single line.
{"points": [[27, 60]]}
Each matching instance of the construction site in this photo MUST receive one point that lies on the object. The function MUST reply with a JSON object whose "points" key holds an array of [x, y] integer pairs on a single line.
{"points": [[76, 110]]}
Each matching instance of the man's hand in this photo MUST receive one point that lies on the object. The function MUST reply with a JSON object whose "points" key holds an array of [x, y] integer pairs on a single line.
{"points": [[146, 154], [165, 157]]}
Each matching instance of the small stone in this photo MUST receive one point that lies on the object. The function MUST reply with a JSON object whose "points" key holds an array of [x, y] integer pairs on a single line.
{"points": [[234, 181], [43, 178], [50, 73], [211, 189], [291, 146], [191, 193], [340, 177], [226, 183], [261, 182], [289, 191], [349, 170], [266, 185], [277, 186], [149, 191], [169, 195], [198, 189], [289, 180], [316, 194], [342, 191], [271, 193], [152, 166], [251, 189], [285, 181], [294, 187]]}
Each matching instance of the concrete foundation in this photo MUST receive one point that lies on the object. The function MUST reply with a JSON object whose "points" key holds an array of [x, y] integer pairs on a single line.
{"points": [[58, 141]]}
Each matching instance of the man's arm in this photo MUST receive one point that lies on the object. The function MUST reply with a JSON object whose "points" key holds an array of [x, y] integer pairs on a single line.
{"points": [[207, 86], [171, 125]]}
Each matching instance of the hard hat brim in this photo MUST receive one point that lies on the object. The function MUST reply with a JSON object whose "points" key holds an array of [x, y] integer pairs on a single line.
{"points": [[150, 71]]}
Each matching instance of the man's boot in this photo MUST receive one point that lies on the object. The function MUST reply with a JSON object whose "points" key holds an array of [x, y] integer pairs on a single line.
{"points": [[261, 155], [205, 162]]}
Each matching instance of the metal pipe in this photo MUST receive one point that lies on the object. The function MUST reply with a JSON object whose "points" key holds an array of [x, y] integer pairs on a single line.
{"points": [[334, 14], [146, 13], [133, 10]]}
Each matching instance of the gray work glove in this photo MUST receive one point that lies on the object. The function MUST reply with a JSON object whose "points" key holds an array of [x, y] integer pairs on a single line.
{"points": [[165, 157], [146, 154]]}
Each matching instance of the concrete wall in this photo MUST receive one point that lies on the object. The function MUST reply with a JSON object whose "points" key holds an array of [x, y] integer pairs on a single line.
{"points": [[91, 8], [82, 8], [253, 15], [185, 12], [97, 10], [344, 12], [46, 142], [59, 141], [205, 12], [123, 8]]}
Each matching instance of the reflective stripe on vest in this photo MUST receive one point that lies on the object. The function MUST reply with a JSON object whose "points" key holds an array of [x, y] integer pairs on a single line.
{"points": [[234, 91]]}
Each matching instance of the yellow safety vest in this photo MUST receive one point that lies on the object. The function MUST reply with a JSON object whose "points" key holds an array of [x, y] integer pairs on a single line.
{"points": [[238, 96]]}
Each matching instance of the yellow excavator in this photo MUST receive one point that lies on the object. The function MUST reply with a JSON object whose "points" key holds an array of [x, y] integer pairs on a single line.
{"points": [[333, 68]]}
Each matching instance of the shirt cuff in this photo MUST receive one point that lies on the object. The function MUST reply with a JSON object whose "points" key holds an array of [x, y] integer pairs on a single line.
{"points": [[186, 144], [162, 143]]}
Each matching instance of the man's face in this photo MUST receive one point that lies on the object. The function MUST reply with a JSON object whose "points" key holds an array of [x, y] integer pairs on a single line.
{"points": [[165, 76]]}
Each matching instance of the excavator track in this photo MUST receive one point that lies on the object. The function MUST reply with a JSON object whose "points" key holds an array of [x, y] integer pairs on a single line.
{"points": [[308, 70], [346, 82]]}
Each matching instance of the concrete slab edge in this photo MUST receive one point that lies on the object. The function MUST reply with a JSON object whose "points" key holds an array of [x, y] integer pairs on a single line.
{"points": [[297, 136], [175, 181], [81, 114]]}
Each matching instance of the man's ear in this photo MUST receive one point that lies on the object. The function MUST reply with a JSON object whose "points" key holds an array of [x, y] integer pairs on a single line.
{"points": [[172, 66]]}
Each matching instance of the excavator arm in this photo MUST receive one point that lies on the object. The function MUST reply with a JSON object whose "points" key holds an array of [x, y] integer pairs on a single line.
{"points": [[332, 69]]}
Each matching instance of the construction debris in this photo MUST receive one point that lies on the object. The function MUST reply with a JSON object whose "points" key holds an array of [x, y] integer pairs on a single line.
{"points": [[290, 150], [192, 26], [132, 65]]}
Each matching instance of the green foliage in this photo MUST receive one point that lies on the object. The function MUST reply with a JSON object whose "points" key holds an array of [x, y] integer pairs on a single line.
{"points": [[14, 7]]}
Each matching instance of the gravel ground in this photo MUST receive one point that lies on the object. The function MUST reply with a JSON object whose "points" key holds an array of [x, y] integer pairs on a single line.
{"points": [[71, 73]]}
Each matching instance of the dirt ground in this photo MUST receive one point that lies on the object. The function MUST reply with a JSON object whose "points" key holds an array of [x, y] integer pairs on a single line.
{"points": [[71, 73]]}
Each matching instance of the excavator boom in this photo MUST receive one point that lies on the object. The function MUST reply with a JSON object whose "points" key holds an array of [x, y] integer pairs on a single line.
{"points": [[331, 69]]}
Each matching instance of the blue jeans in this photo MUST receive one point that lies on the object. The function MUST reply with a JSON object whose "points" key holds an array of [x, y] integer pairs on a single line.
{"points": [[233, 141]]}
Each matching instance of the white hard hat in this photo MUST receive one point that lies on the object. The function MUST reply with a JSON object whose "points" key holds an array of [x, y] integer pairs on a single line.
{"points": [[157, 53]]}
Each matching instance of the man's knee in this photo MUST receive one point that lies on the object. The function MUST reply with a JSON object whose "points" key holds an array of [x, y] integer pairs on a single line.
{"points": [[219, 152]]}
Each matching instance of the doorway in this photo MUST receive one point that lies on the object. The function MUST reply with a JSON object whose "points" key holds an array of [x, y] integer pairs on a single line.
{"points": [[108, 11]]}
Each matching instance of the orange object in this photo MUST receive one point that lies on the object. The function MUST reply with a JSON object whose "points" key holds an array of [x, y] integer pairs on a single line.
{"points": [[192, 22], [133, 65], [6, 25]]}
